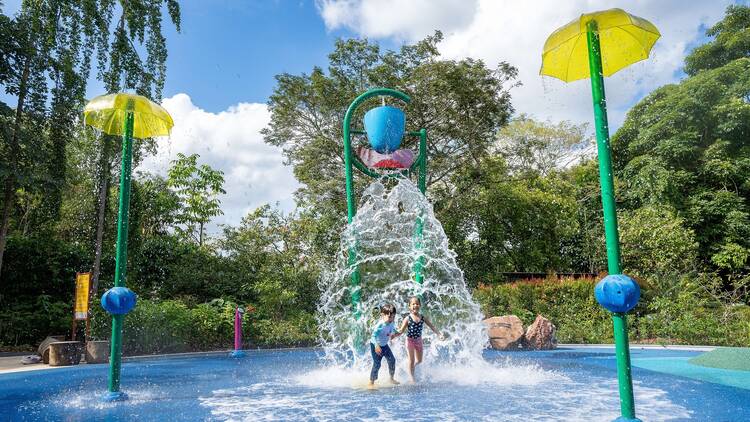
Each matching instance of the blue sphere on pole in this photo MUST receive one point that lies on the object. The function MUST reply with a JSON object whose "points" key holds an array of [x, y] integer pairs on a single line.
{"points": [[118, 300], [617, 293], [385, 127]]}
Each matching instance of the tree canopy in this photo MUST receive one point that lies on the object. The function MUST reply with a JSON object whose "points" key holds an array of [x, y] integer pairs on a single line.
{"points": [[685, 145]]}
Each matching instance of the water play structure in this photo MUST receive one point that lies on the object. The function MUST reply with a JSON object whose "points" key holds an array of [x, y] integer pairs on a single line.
{"points": [[593, 46], [130, 116], [237, 352], [384, 127], [393, 246]]}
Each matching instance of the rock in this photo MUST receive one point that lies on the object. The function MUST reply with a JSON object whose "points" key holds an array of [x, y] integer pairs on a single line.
{"points": [[64, 353], [97, 351], [505, 332], [541, 334], [43, 349]]}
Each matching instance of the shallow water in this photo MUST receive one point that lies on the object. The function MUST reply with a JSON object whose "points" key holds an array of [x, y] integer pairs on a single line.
{"points": [[567, 384]]}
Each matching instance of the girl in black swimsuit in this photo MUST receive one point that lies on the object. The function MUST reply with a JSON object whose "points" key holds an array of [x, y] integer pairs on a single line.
{"points": [[413, 325]]}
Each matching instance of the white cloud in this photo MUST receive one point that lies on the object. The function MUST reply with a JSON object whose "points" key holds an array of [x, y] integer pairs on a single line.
{"points": [[229, 141], [404, 20], [515, 31]]}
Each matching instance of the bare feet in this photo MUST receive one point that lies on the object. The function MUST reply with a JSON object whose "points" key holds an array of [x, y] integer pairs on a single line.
{"points": [[371, 385], [394, 382]]}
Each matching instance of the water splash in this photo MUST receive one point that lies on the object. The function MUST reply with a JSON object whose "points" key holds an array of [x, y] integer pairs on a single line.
{"points": [[384, 234]]}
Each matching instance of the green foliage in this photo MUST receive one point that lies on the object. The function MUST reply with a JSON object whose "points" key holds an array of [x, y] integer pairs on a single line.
{"points": [[499, 223], [655, 243], [569, 304], [685, 147], [731, 41], [173, 326], [40, 266], [505, 195], [197, 188], [274, 252], [697, 310], [689, 313], [165, 267], [462, 104], [536, 147], [26, 322], [154, 207]]}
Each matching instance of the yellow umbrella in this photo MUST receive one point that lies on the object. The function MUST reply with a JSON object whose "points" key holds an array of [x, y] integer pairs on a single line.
{"points": [[624, 39], [107, 113], [131, 116], [593, 46]]}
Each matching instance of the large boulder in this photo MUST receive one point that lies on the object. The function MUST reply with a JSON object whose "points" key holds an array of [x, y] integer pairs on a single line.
{"points": [[505, 332], [97, 351], [43, 349], [64, 353], [541, 334]]}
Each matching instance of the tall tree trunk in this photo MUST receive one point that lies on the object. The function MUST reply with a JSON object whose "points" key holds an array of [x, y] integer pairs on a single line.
{"points": [[9, 188], [101, 208]]}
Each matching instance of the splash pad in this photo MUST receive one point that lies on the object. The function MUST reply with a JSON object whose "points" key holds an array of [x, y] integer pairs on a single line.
{"points": [[394, 248]]}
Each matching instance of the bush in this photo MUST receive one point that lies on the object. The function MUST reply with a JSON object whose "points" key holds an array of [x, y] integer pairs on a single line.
{"points": [[297, 331], [689, 311], [40, 266], [569, 304], [27, 323], [172, 326]]}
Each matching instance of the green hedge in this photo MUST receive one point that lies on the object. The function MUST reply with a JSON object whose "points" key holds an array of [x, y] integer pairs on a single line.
{"points": [[172, 326], [686, 314], [23, 324]]}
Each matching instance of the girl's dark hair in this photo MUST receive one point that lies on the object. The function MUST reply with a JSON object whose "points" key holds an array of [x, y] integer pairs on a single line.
{"points": [[388, 309], [415, 298]]}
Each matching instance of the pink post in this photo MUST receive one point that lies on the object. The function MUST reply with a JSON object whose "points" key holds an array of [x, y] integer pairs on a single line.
{"points": [[238, 353]]}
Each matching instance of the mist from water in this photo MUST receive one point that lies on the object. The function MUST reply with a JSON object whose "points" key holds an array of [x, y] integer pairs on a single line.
{"points": [[384, 235]]}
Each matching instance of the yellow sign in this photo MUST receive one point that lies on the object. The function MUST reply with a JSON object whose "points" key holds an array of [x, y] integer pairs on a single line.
{"points": [[82, 295]]}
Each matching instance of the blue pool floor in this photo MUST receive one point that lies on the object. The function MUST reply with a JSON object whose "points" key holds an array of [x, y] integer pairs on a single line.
{"points": [[566, 384]]}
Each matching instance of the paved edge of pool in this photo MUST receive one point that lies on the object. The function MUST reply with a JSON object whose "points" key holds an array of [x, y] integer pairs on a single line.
{"points": [[9, 364]]}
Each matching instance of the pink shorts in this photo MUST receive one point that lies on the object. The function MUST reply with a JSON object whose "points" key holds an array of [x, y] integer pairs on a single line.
{"points": [[414, 344]]}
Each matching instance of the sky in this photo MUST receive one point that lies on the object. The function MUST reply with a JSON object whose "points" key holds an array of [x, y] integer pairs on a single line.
{"points": [[221, 68]]}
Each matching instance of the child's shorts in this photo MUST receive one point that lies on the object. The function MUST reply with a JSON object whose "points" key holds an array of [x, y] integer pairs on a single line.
{"points": [[414, 344]]}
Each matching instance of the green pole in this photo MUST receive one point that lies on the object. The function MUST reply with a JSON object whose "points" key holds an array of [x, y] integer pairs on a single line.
{"points": [[622, 350], [351, 206], [422, 183], [122, 250], [423, 161]]}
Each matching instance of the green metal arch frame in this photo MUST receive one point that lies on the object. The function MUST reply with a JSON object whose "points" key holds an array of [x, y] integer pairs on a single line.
{"points": [[350, 160]]}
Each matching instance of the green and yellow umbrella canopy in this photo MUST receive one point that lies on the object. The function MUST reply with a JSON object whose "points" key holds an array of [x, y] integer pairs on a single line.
{"points": [[107, 113], [624, 39]]}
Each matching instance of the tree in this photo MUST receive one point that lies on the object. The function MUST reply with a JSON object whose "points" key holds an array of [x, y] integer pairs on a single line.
{"points": [[275, 253], [731, 41], [121, 68], [500, 223], [685, 146], [530, 146], [158, 206], [462, 104], [52, 43], [26, 64], [198, 188], [656, 243]]}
